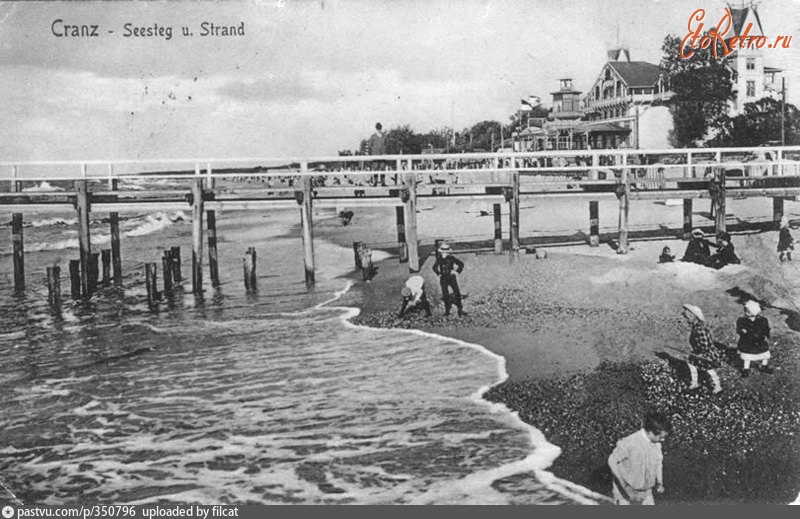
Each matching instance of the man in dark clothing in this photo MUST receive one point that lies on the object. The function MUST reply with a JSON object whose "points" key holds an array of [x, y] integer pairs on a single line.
{"points": [[725, 253], [377, 146], [698, 250], [444, 267]]}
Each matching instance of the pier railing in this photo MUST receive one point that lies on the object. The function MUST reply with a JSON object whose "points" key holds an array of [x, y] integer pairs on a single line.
{"points": [[207, 185]]}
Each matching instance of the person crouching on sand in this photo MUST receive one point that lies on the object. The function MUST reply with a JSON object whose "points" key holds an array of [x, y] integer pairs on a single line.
{"points": [[446, 267], [753, 330], [414, 297], [705, 354], [785, 241], [697, 251], [637, 462]]}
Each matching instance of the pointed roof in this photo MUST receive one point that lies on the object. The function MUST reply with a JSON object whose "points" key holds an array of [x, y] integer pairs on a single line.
{"points": [[637, 73], [739, 16]]}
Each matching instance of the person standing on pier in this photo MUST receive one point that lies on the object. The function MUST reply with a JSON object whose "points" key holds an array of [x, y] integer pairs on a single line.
{"points": [[446, 267], [785, 241], [377, 146]]}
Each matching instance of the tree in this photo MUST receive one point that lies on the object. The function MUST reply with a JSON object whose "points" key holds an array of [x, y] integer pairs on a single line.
{"points": [[702, 86], [760, 123]]}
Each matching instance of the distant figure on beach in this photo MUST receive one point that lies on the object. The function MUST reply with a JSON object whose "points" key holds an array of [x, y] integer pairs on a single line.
{"points": [[446, 267], [666, 256], [785, 241], [725, 255], [377, 146], [697, 251], [637, 462], [705, 353], [414, 297], [753, 330]]}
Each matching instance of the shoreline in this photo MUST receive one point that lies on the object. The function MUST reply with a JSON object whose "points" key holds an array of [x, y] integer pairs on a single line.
{"points": [[579, 332]]}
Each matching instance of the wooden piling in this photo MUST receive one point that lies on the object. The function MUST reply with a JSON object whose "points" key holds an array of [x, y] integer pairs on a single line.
{"points": [[357, 254], [777, 208], [19, 254], [105, 256], [498, 230], [166, 272], [175, 253], [151, 282], [75, 278], [402, 246], [84, 244], [94, 271], [410, 218], [250, 269], [513, 205], [308, 224], [624, 207], [116, 257], [54, 287], [594, 223], [213, 265], [197, 235], [687, 218], [718, 201]]}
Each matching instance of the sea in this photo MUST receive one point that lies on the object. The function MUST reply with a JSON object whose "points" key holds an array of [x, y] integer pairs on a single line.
{"points": [[235, 397]]}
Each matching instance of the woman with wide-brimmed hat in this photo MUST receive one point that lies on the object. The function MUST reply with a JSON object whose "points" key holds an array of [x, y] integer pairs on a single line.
{"points": [[697, 251], [725, 255]]}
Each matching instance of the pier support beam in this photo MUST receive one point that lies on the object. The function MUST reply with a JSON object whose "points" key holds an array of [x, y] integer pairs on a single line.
{"points": [[105, 257], [306, 217], [213, 263], [498, 229], [166, 270], [250, 269], [718, 200], [402, 246], [16, 237], [54, 287], [409, 197], [687, 218], [513, 204], [594, 223], [175, 253], [777, 208], [197, 234], [116, 257], [624, 208], [84, 244], [75, 278]]}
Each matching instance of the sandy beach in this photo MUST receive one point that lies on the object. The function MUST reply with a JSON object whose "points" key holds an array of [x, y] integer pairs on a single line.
{"points": [[593, 339]]}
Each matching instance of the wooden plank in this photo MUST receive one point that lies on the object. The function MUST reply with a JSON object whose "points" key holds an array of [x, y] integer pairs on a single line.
{"points": [[514, 218], [306, 218], [197, 236], [84, 243], [410, 216]]}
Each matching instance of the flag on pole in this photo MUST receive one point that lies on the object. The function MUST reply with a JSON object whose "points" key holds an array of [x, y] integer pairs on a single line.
{"points": [[530, 103]]}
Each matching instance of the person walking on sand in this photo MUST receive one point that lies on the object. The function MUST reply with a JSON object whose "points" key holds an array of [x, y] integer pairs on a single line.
{"points": [[697, 251], [705, 354], [446, 267], [785, 241], [637, 462], [414, 297], [753, 330], [725, 255]]}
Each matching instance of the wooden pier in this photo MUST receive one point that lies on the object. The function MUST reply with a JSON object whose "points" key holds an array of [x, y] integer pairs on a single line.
{"points": [[585, 176]]}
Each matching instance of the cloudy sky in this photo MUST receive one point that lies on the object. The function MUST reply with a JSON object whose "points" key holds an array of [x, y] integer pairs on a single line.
{"points": [[310, 77]]}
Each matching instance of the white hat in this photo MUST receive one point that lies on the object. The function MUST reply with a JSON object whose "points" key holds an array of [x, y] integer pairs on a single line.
{"points": [[695, 310], [698, 232], [753, 306], [445, 248]]}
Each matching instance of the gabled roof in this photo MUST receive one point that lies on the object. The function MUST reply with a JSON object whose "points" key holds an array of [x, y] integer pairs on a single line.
{"points": [[636, 73], [739, 16]]}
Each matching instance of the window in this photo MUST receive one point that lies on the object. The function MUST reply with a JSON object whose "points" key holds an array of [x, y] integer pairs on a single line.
{"points": [[751, 63], [751, 89]]}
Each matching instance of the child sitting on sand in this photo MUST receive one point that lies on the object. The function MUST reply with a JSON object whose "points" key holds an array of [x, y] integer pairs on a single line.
{"points": [[753, 330], [666, 256], [636, 462], [785, 241]]}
